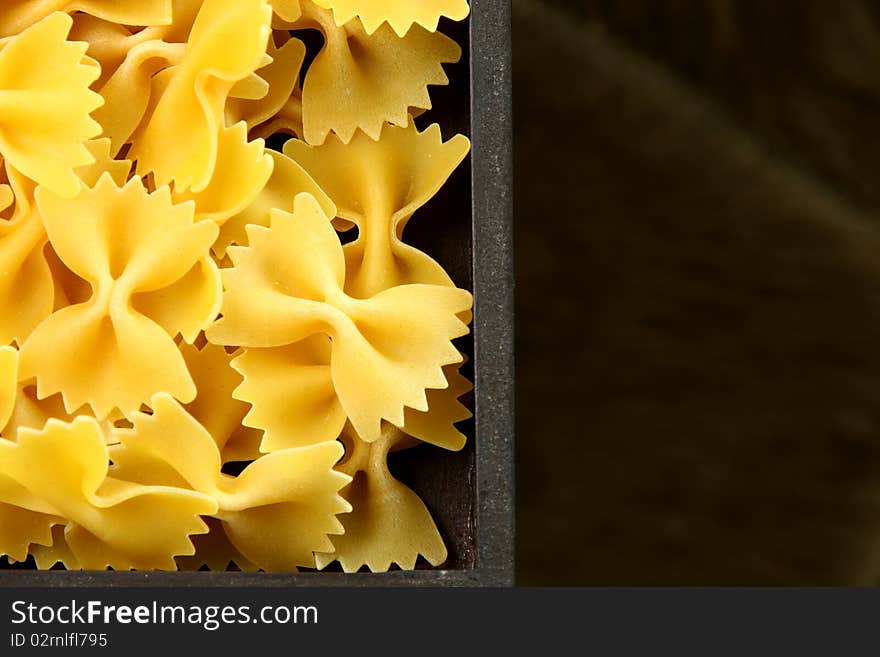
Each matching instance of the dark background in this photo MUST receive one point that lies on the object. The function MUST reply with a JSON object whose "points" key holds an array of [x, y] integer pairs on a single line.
{"points": [[698, 292]]}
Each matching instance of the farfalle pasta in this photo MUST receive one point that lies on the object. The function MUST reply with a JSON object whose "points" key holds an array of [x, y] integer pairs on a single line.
{"points": [[146, 262], [281, 80], [198, 368], [361, 79], [278, 512], [399, 14], [26, 286], [386, 350], [287, 179], [378, 185], [45, 104], [389, 524], [227, 43], [8, 383], [60, 474], [18, 15], [215, 407]]}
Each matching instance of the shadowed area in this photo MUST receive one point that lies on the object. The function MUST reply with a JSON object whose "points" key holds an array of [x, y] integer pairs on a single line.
{"points": [[698, 297]]}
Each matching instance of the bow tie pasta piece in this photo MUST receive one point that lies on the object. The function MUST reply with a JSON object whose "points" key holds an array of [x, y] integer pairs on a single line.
{"points": [[287, 121], [8, 383], [286, 534], [437, 424], [277, 512], [243, 168], [184, 308], [253, 87], [215, 551], [361, 80], [22, 531], [17, 15], [214, 406], [151, 277], [45, 102], [58, 551], [128, 91], [227, 44], [288, 11], [100, 149], [399, 14], [25, 520], [110, 522], [33, 413], [294, 402], [7, 198], [291, 393], [386, 350], [26, 287], [388, 522], [287, 180], [129, 62], [109, 43], [281, 76], [70, 289], [378, 185], [183, 17], [23, 189], [17, 407]]}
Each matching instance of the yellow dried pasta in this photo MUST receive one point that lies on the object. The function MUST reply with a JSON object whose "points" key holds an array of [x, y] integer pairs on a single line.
{"points": [[388, 523], [26, 287], [194, 370], [241, 172], [281, 77], [55, 551], [215, 551], [386, 350], [8, 383], [227, 44], [215, 406], [18, 15], [378, 185], [151, 279], [291, 394], [361, 80], [287, 180], [277, 512], [45, 104], [62, 471], [399, 14]]}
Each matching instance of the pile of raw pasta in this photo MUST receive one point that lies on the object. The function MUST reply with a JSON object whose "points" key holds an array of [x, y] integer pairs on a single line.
{"points": [[175, 297]]}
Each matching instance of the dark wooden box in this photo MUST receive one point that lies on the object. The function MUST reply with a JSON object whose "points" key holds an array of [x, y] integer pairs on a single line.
{"points": [[467, 227]]}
